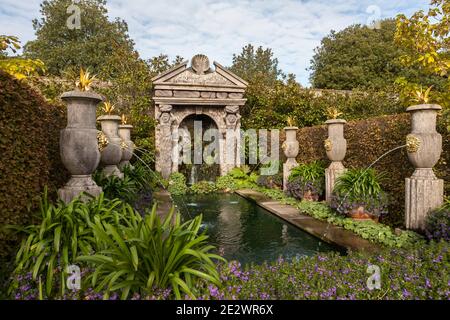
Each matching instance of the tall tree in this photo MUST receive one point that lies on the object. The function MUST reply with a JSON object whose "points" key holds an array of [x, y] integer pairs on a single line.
{"points": [[256, 65], [426, 35], [360, 57], [61, 44]]}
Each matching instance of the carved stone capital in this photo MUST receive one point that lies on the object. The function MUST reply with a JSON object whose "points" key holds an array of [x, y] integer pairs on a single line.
{"points": [[232, 109]]}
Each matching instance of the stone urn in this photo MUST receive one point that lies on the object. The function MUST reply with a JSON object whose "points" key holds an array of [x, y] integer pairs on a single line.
{"points": [[336, 148], [127, 145], [78, 144], [111, 153], [290, 148], [424, 191]]}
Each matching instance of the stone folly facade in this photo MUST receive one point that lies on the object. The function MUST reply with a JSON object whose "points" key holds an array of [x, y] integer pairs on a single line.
{"points": [[196, 90]]}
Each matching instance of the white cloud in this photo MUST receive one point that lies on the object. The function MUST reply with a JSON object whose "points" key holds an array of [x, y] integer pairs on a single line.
{"points": [[219, 28]]}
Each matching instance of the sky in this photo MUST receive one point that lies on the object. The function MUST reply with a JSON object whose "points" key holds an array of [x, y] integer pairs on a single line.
{"points": [[220, 28]]}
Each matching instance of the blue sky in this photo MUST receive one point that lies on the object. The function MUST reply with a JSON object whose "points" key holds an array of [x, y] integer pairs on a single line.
{"points": [[219, 28]]}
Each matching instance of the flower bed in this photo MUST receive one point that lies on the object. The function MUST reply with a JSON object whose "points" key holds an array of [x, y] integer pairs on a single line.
{"points": [[422, 273]]}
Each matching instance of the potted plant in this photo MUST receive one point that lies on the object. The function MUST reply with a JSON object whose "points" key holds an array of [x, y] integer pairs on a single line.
{"points": [[306, 181], [359, 195]]}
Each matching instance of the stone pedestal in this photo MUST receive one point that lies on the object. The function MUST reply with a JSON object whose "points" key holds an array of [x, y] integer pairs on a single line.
{"points": [[290, 148], [424, 192], [334, 171], [128, 145], [78, 184], [79, 146], [111, 155], [336, 148]]}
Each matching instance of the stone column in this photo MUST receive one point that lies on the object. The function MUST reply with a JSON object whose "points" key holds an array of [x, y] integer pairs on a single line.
{"points": [[164, 140], [111, 154], [231, 143], [128, 145], [336, 148], [424, 191], [290, 148], [79, 145]]}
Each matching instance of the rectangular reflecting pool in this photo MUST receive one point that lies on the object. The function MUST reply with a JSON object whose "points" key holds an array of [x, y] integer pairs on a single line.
{"points": [[248, 233]]}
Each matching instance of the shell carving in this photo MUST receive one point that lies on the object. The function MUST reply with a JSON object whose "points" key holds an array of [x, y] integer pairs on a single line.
{"points": [[200, 64]]}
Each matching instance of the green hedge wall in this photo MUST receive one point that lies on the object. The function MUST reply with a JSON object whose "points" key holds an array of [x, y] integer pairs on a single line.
{"points": [[29, 149], [369, 139]]}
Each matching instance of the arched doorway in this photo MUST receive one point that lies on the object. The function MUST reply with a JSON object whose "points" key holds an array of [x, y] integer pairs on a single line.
{"points": [[200, 134], [184, 93]]}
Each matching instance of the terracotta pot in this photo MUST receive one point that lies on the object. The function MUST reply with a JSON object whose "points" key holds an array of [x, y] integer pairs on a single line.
{"points": [[360, 214]]}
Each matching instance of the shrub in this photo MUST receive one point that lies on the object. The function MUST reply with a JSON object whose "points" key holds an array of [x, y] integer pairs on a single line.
{"points": [[243, 177], [437, 224], [114, 187], [203, 187], [62, 234], [29, 150], [358, 191], [144, 253], [225, 183], [177, 184], [274, 181], [238, 173], [306, 181]]}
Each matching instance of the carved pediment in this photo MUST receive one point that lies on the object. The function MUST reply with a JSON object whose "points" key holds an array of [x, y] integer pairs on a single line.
{"points": [[199, 74], [213, 78]]}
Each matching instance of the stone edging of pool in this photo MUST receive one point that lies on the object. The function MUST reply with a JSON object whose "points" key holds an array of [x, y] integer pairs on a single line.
{"points": [[320, 229]]}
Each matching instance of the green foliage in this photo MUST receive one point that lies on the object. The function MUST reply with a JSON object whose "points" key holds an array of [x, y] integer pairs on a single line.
{"points": [[116, 188], [437, 224], [359, 183], [62, 234], [361, 57], [93, 45], [420, 273], [177, 184], [313, 171], [226, 183], [203, 187], [144, 253], [425, 35], [29, 145], [375, 232], [17, 67], [272, 181], [258, 65], [238, 173], [270, 106]]}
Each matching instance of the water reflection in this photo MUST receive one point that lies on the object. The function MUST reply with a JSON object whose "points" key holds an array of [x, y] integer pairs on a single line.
{"points": [[249, 233]]}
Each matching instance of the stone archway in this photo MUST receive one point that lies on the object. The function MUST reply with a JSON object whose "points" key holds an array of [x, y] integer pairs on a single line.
{"points": [[183, 91], [203, 157]]}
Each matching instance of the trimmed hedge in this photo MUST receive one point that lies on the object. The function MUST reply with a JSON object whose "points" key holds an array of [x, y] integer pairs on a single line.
{"points": [[366, 141], [29, 148]]}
